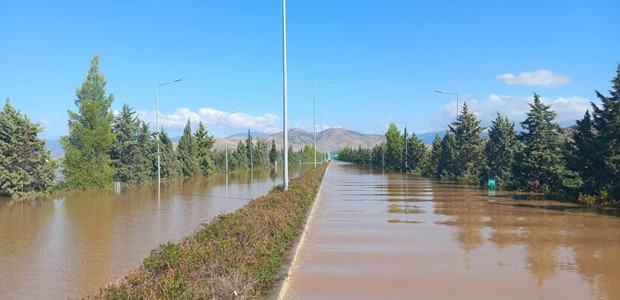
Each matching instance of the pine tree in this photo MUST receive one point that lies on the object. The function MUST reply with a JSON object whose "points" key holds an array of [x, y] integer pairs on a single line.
{"points": [[540, 164], [170, 164], [394, 149], [500, 150], [273, 153], [249, 145], [469, 146], [25, 165], [204, 143], [147, 142], [607, 125], [87, 148], [187, 153], [417, 153], [585, 157], [447, 166], [431, 164], [132, 164]]}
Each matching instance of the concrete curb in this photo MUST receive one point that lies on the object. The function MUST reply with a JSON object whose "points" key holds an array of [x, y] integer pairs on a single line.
{"points": [[281, 286]]}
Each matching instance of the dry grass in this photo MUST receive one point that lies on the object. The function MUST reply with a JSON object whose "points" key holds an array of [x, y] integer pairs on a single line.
{"points": [[237, 255]]}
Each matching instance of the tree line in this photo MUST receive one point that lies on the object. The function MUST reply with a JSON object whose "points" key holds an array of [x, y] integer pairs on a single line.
{"points": [[101, 148], [582, 163]]}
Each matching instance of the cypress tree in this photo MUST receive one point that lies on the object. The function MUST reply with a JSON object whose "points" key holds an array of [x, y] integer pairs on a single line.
{"points": [[25, 165], [540, 164], [585, 157], [87, 162], [417, 153], [273, 153], [187, 153], [500, 150]]}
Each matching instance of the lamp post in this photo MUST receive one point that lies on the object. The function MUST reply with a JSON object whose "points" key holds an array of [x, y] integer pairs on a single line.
{"points": [[226, 138], [457, 100], [284, 97], [323, 136], [314, 84], [157, 127]]}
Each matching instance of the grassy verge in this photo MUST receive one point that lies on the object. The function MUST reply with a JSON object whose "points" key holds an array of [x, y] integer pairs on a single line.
{"points": [[237, 255]]}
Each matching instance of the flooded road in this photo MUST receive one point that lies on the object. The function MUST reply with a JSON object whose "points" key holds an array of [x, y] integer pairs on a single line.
{"points": [[69, 246], [395, 236]]}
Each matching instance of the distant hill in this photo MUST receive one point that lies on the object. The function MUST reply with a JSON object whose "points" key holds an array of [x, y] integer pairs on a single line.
{"points": [[332, 139]]}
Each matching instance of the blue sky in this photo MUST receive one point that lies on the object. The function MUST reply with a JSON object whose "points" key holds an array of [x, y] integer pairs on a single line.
{"points": [[389, 56]]}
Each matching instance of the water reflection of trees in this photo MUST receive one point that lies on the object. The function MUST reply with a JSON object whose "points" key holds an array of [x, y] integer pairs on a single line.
{"points": [[591, 242]]}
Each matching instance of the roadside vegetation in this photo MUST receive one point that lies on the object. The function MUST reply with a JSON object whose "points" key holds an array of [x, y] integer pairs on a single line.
{"points": [[102, 148], [582, 164], [237, 255]]}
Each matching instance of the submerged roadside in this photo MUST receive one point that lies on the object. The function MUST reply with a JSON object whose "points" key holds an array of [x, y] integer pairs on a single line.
{"points": [[235, 255]]}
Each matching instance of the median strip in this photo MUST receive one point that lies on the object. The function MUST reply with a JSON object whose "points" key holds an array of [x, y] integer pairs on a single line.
{"points": [[235, 255]]}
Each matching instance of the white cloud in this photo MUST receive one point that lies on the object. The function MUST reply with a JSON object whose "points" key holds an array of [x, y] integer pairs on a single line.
{"points": [[536, 78], [45, 122], [567, 109], [211, 117]]}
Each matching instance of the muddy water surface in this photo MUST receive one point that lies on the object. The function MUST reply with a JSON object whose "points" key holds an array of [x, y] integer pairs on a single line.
{"points": [[394, 236], [70, 245]]}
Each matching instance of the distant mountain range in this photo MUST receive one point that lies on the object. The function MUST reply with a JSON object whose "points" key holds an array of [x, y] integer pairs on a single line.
{"points": [[332, 139]]}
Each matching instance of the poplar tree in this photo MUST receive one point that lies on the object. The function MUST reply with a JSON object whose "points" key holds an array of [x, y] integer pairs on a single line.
{"points": [[540, 164], [500, 150], [187, 153], [25, 165], [204, 143], [87, 162]]}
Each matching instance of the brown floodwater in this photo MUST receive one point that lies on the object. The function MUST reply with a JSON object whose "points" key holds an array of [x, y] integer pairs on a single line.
{"points": [[393, 236], [70, 245]]}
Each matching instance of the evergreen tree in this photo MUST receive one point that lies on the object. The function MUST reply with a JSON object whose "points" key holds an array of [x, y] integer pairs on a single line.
{"points": [[132, 164], [25, 165], [394, 149], [500, 150], [249, 146], [148, 147], [260, 153], [431, 164], [607, 125], [273, 153], [447, 166], [469, 146], [346, 154], [204, 143], [585, 157], [417, 153], [170, 164], [540, 164], [187, 153], [87, 149]]}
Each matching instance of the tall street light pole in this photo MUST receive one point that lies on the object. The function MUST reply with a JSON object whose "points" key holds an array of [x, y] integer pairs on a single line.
{"points": [[226, 137], [157, 127], [284, 96], [314, 84], [457, 100]]}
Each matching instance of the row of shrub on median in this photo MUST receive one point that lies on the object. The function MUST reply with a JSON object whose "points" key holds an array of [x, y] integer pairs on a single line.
{"points": [[235, 255]]}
